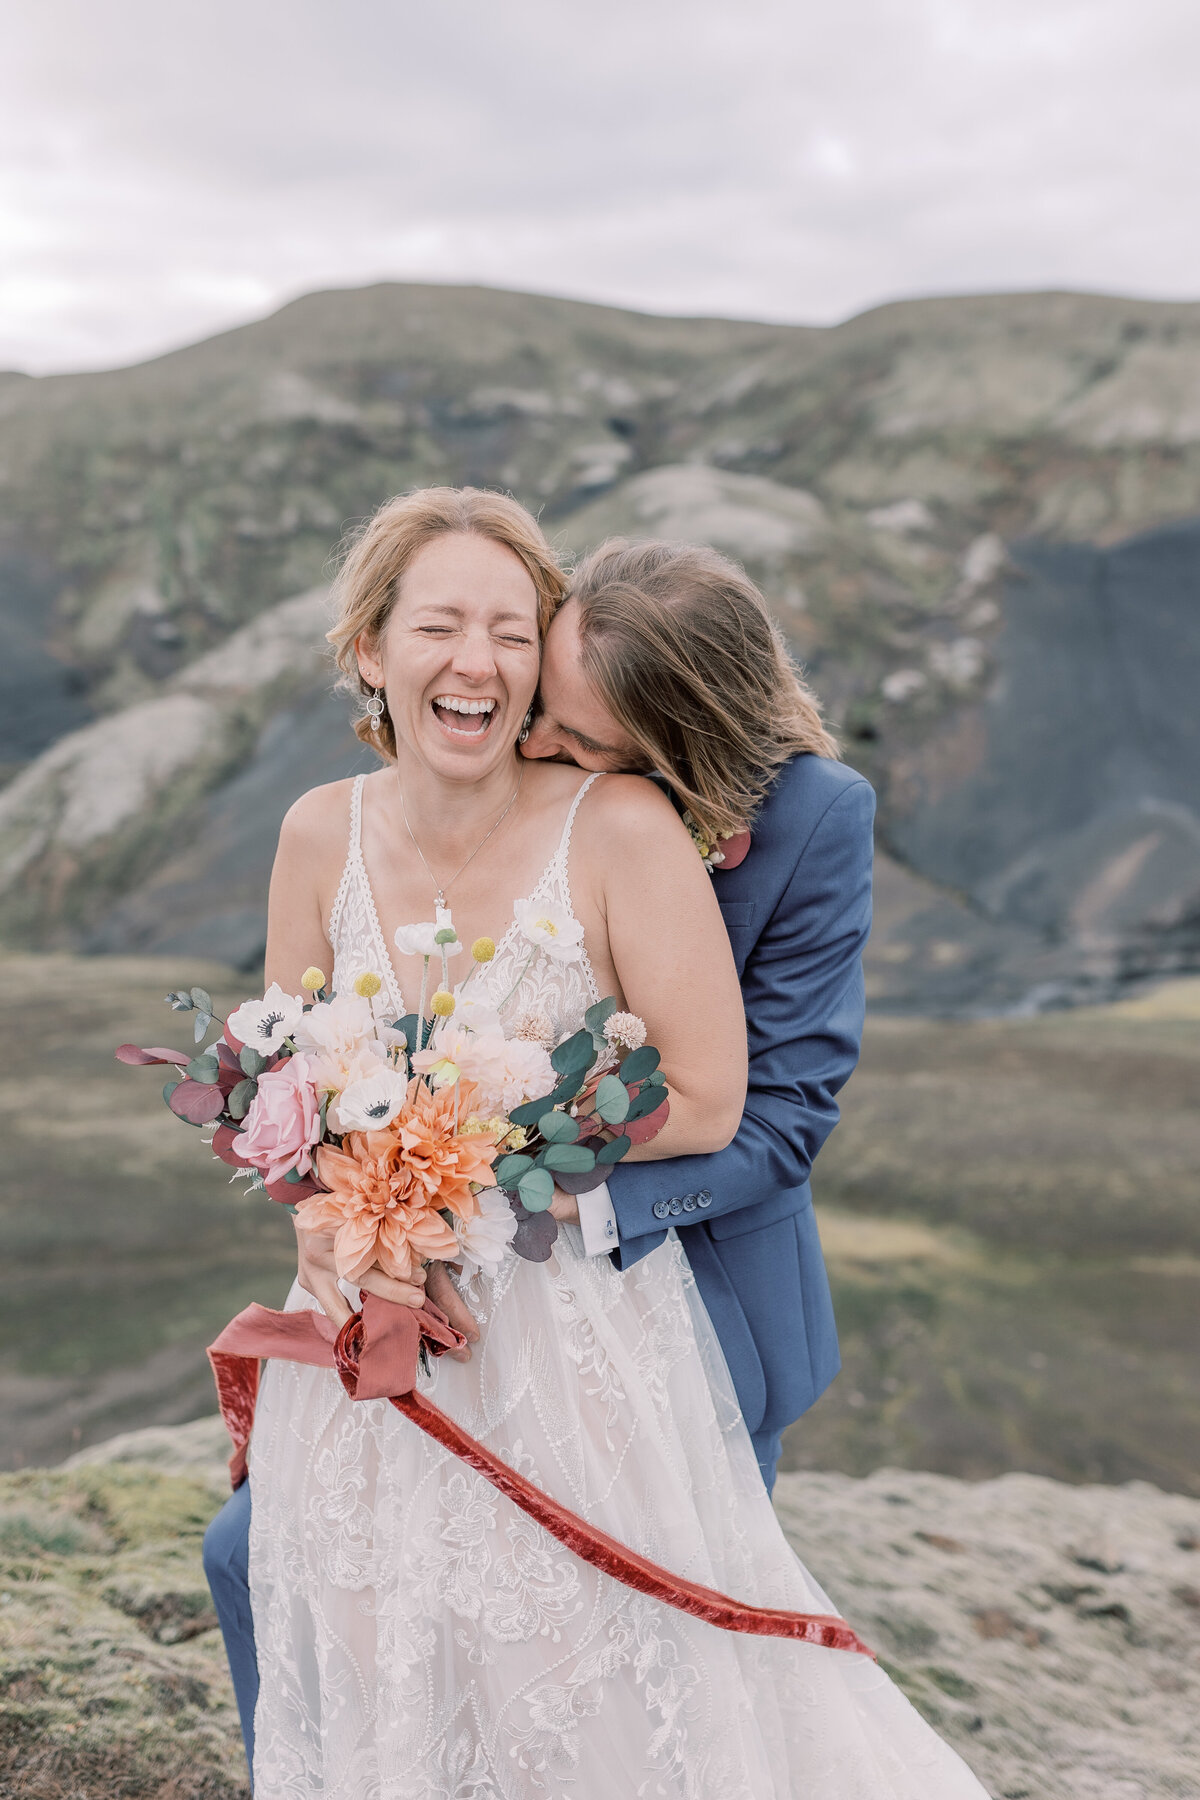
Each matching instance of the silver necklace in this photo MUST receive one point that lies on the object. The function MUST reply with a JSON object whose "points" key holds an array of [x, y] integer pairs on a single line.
{"points": [[440, 889]]}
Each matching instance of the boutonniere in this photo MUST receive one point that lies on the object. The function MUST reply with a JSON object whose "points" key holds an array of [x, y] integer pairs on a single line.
{"points": [[723, 853]]}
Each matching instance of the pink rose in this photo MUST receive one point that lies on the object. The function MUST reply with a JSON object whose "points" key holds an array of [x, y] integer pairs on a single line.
{"points": [[284, 1121]]}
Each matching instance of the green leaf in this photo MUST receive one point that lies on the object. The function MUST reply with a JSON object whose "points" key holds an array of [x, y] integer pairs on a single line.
{"points": [[529, 1114], [252, 1061], [613, 1152], [294, 1176], [577, 1052], [409, 1025], [509, 1170], [536, 1188], [612, 1101], [201, 1001], [641, 1063], [203, 1021], [179, 1002], [648, 1101], [203, 1068], [656, 1079], [596, 1017], [558, 1128], [240, 1098], [169, 1089], [569, 1159]]}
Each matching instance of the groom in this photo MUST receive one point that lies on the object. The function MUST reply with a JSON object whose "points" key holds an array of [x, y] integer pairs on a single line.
{"points": [[648, 666]]}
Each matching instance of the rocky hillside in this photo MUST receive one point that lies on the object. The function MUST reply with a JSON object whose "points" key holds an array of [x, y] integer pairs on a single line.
{"points": [[1050, 1633], [975, 518]]}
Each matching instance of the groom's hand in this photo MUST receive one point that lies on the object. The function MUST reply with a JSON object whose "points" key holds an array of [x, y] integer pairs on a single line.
{"points": [[317, 1274]]}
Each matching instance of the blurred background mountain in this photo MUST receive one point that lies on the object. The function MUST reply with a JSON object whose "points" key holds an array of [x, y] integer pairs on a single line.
{"points": [[978, 521]]}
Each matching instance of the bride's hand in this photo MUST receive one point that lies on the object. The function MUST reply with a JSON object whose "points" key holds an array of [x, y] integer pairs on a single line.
{"points": [[442, 1291], [316, 1272], [564, 1208]]}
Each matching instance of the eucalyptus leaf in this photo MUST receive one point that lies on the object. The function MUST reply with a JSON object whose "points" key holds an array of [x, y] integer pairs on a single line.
{"points": [[573, 1159], [201, 1000], [648, 1101], [240, 1098], [409, 1025], [536, 1188], [203, 1021], [529, 1114], [294, 1177], [203, 1068], [558, 1128], [656, 1078], [251, 1061], [169, 1089], [509, 1170], [577, 1052], [640, 1063], [613, 1152], [612, 1101], [596, 1017], [179, 1002]]}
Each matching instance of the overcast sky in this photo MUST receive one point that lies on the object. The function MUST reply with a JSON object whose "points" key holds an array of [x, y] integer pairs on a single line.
{"points": [[167, 169]]}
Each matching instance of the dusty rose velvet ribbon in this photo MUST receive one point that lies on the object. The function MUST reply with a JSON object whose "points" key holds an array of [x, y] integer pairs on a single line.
{"points": [[375, 1354]]}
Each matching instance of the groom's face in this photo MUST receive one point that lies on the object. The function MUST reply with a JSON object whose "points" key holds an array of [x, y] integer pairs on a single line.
{"points": [[573, 724]]}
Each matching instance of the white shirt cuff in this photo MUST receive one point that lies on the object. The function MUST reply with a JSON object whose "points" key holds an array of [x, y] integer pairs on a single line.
{"points": [[598, 1221]]}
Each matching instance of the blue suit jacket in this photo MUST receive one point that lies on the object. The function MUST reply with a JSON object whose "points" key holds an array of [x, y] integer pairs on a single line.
{"points": [[798, 911]]}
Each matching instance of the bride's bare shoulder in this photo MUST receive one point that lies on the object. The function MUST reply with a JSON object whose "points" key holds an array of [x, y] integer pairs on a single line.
{"points": [[319, 820], [630, 810]]}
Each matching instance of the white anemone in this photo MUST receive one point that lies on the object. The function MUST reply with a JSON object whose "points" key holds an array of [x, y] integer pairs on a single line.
{"points": [[421, 940], [549, 926], [263, 1024], [484, 1238], [372, 1101]]}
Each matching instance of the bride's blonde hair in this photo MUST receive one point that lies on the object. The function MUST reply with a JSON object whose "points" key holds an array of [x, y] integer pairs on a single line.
{"points": [[376, 555]]}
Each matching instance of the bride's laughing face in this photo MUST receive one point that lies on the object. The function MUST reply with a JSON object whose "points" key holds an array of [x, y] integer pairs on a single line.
{"points": [[459, 656]]}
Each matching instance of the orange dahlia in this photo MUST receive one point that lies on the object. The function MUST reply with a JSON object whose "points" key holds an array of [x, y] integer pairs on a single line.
{"points": [[387, 1188]]}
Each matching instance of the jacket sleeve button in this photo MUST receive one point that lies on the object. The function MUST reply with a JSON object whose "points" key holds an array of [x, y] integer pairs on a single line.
{"points": [[703, 1199], [690, 1202], [676, 1206], [661, 1208]]}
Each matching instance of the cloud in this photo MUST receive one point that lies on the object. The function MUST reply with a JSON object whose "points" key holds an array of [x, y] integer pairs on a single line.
{"points": [[165, 172]]}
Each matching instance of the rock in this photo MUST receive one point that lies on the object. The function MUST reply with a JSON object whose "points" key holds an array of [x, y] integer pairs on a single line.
{"points": [[113, 1680], [748, 517], [1051, 1684]]}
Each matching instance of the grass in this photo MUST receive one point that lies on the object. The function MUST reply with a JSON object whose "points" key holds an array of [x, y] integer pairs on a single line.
{"points": [[1011, 1216]]}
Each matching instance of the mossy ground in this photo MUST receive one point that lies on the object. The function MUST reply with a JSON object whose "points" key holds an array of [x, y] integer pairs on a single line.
{"points": [[113, 1683]]}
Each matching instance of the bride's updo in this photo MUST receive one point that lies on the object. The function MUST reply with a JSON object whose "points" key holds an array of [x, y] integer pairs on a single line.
{"points": [[376, 555]]}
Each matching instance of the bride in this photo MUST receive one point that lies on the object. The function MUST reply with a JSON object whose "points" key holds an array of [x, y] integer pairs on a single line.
{"points": [[419, 1638]]}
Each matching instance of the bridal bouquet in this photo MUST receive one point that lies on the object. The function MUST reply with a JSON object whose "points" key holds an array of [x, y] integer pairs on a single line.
{"points": [[428, 1137]]}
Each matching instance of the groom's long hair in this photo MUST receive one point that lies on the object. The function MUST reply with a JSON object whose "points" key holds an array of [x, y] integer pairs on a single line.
{"points": [[680, 644]]}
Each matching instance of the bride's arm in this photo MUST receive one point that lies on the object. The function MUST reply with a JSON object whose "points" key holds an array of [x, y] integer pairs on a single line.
{"points": [[672, 959], [296, 938]]}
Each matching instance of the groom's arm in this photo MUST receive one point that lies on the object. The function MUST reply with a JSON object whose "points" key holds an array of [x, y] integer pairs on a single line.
{"points": [[803, 990]]}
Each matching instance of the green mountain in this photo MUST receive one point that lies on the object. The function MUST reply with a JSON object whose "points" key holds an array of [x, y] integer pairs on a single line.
{"points": [[974, 517]]}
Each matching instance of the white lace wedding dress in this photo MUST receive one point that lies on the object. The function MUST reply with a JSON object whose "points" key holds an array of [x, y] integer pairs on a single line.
{"points": [[420, 1638]]}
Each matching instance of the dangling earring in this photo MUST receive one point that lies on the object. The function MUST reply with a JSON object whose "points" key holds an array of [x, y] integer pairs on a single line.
{"points": [[524, 731], [375, 708]]}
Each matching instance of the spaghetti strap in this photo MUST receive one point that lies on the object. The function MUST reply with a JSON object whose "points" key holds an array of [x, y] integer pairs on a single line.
{"points": [[356, 794], [564, 842], [353, 861]]}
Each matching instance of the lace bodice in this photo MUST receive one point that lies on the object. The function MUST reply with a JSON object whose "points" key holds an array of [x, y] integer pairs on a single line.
{"points": [[559, 993]]}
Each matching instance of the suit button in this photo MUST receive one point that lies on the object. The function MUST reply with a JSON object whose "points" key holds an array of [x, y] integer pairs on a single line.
{"points": [[676, 1206], [690, 1202], [661, 1208], [703, 1199]]}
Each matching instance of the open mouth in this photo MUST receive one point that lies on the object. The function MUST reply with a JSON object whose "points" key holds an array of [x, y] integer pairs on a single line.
{"points": [[463, 718]]}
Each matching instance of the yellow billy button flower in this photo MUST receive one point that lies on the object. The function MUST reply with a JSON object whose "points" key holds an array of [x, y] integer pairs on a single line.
{"points": [[312, 980], [367, 985], [442, 1004], [483, 949]]}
